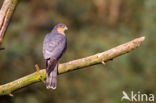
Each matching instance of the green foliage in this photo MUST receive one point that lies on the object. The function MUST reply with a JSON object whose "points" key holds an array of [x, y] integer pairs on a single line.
{"points": [[88, 33]]}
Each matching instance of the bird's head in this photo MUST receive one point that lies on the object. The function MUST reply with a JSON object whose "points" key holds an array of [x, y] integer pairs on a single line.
{"points": [[60, 28]]}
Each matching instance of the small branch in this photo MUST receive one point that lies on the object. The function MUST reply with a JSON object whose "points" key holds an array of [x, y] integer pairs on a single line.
{"points": [[103, 57], [2, 48], [6, 13]]}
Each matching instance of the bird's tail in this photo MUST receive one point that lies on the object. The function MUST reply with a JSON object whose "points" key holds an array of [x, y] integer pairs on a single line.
{"points": [[51, 81]]}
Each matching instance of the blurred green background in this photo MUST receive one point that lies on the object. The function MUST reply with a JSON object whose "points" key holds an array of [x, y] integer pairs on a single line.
{"points": [[94, 26]]}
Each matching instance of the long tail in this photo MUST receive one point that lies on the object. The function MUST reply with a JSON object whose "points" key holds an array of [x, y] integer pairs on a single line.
{"points": [[51, 81]]}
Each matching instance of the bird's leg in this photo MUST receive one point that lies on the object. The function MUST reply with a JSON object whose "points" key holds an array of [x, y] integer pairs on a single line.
{"points": [[38, 71]]}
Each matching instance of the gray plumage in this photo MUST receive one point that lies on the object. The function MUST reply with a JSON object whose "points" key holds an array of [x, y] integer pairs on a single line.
{"points": [[54, 45]]}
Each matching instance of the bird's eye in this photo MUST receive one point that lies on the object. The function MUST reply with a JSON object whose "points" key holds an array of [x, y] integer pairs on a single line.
{"points": [[62, 26]]}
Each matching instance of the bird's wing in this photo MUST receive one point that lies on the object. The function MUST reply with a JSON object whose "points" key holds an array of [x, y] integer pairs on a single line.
{"points": [[50, 65], [53, 45]]}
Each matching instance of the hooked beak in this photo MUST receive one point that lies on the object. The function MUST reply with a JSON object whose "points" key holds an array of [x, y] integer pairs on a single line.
{"points": [[65, 28]]}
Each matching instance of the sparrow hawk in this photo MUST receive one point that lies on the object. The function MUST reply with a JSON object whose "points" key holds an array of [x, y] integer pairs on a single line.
{"points": [[54, 45]]}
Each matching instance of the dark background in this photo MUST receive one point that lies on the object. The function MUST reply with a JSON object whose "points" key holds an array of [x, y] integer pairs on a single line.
{"points": [[94, 26]]}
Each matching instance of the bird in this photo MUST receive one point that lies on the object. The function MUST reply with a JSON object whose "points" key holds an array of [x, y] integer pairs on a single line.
{"points": [[54, 46]]}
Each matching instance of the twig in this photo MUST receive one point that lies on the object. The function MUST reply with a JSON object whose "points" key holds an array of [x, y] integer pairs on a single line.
{"points": [[37, 68], [6, 13], [8, 88], [2, 48]]}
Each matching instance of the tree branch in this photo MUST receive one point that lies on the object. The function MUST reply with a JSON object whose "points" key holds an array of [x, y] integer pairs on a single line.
{"points": [[103, 57], [6, 13]]}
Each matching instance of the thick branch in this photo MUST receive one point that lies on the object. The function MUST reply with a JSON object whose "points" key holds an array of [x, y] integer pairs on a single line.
{"points": [[8, 88], [5, 16]]}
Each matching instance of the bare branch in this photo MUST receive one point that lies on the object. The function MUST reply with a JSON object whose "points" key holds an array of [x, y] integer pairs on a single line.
{"points": [[103, 57], [2, 48], [6, 13]]}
